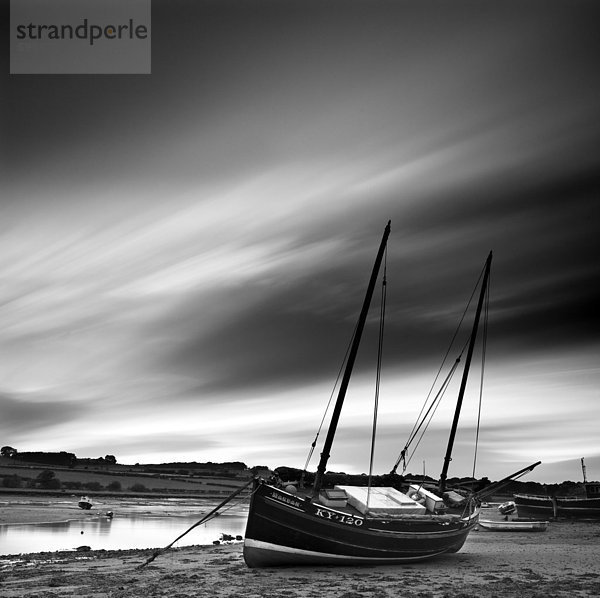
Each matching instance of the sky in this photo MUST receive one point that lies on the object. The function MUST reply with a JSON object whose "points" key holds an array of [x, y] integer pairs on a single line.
{"points": [[183, 255]]}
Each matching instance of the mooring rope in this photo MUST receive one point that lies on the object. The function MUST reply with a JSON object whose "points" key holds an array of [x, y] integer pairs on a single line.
{"points": [[204, 519]]}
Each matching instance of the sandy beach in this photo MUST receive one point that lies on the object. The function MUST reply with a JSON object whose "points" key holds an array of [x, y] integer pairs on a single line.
{"points": [[563, 561]]}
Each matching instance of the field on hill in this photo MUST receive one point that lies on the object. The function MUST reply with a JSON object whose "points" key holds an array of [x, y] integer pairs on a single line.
{"points": [[116, 479]]}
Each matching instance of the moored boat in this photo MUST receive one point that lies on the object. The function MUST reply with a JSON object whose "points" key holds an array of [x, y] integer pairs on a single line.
{"points": [[348, 525], [514, 525], [570, 507], [85, 503], [287, 529], [506, 508]]}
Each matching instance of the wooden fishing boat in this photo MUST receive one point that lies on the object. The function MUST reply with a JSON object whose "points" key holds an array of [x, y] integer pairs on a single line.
{"points": [[348, 525], [514, 525], [569, 507]]}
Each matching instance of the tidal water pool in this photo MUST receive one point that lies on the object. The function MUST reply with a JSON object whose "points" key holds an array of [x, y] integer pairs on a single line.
{"points": [[122, 531]]}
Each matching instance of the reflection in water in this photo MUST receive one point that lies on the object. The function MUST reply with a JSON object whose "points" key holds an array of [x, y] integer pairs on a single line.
{"points": [[119, 533]]}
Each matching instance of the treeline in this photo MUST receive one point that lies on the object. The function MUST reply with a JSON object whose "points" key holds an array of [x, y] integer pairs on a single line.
{"points": [[227, 469], [47, 480], [62, 458], [331, 478], [66, 459], [57, 459], [290, 474]]}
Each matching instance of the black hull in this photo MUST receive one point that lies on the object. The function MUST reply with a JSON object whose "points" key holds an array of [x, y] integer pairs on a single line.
{"points": [[570, 508], [286, 530]]}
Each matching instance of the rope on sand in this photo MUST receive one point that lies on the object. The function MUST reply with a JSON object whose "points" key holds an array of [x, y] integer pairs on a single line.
{"points": [[203, 520]]}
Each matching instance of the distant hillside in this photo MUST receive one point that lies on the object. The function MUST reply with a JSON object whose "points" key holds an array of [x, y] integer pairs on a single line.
{"points": [[63, 471], [89, 476]]}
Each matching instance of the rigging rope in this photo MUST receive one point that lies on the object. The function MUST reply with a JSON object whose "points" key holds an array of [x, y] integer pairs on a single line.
{"points": [[378, 375], [314, 442], [421, 418], [483, 355], [434, 405]]}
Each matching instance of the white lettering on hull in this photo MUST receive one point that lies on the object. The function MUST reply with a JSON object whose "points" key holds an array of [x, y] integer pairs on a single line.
{"points": [[335, 516], [339, 517]]}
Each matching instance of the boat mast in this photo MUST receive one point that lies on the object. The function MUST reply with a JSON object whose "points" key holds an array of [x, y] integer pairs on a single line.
{"points": [[349, 365], [463, 384], [583, 470]]}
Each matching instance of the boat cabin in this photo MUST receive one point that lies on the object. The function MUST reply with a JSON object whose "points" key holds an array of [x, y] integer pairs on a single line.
{"points": [[384, 501], [434, 503], [592, 490], [333, 498]]}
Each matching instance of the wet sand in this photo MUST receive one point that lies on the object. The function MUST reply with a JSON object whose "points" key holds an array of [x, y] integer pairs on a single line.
{"points": [[46, 509], [563, 561]]}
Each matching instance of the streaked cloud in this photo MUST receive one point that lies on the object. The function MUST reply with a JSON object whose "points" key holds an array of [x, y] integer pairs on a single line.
{"points": [[191, 249]]}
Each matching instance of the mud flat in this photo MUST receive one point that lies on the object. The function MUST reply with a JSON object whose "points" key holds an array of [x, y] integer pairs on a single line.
{"points": [[49, 509], [561, 562]]}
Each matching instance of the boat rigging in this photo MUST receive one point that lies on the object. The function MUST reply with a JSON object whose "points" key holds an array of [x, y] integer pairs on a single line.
{"points": [[355, 524]]}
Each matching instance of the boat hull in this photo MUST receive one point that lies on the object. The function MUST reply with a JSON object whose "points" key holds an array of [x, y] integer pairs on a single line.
{"points": [[513, 526], [287, 530], [544, 506]]}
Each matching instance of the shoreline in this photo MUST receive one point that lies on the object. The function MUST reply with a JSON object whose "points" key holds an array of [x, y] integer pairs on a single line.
{"points": [[27, 525], [491, 564], [23, 509], [561, 562]]}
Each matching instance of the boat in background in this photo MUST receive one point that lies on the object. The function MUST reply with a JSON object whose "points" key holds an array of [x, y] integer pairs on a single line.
{"points": [[506, 508], [570, 507], [85, 503], [514, 525], [290, 525]]}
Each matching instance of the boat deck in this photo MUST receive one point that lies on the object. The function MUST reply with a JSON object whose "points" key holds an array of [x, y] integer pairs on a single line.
{"points": [[447, 513]]}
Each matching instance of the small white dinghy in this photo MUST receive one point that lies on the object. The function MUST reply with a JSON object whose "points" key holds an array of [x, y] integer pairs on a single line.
{"points": [[527, 525]]}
